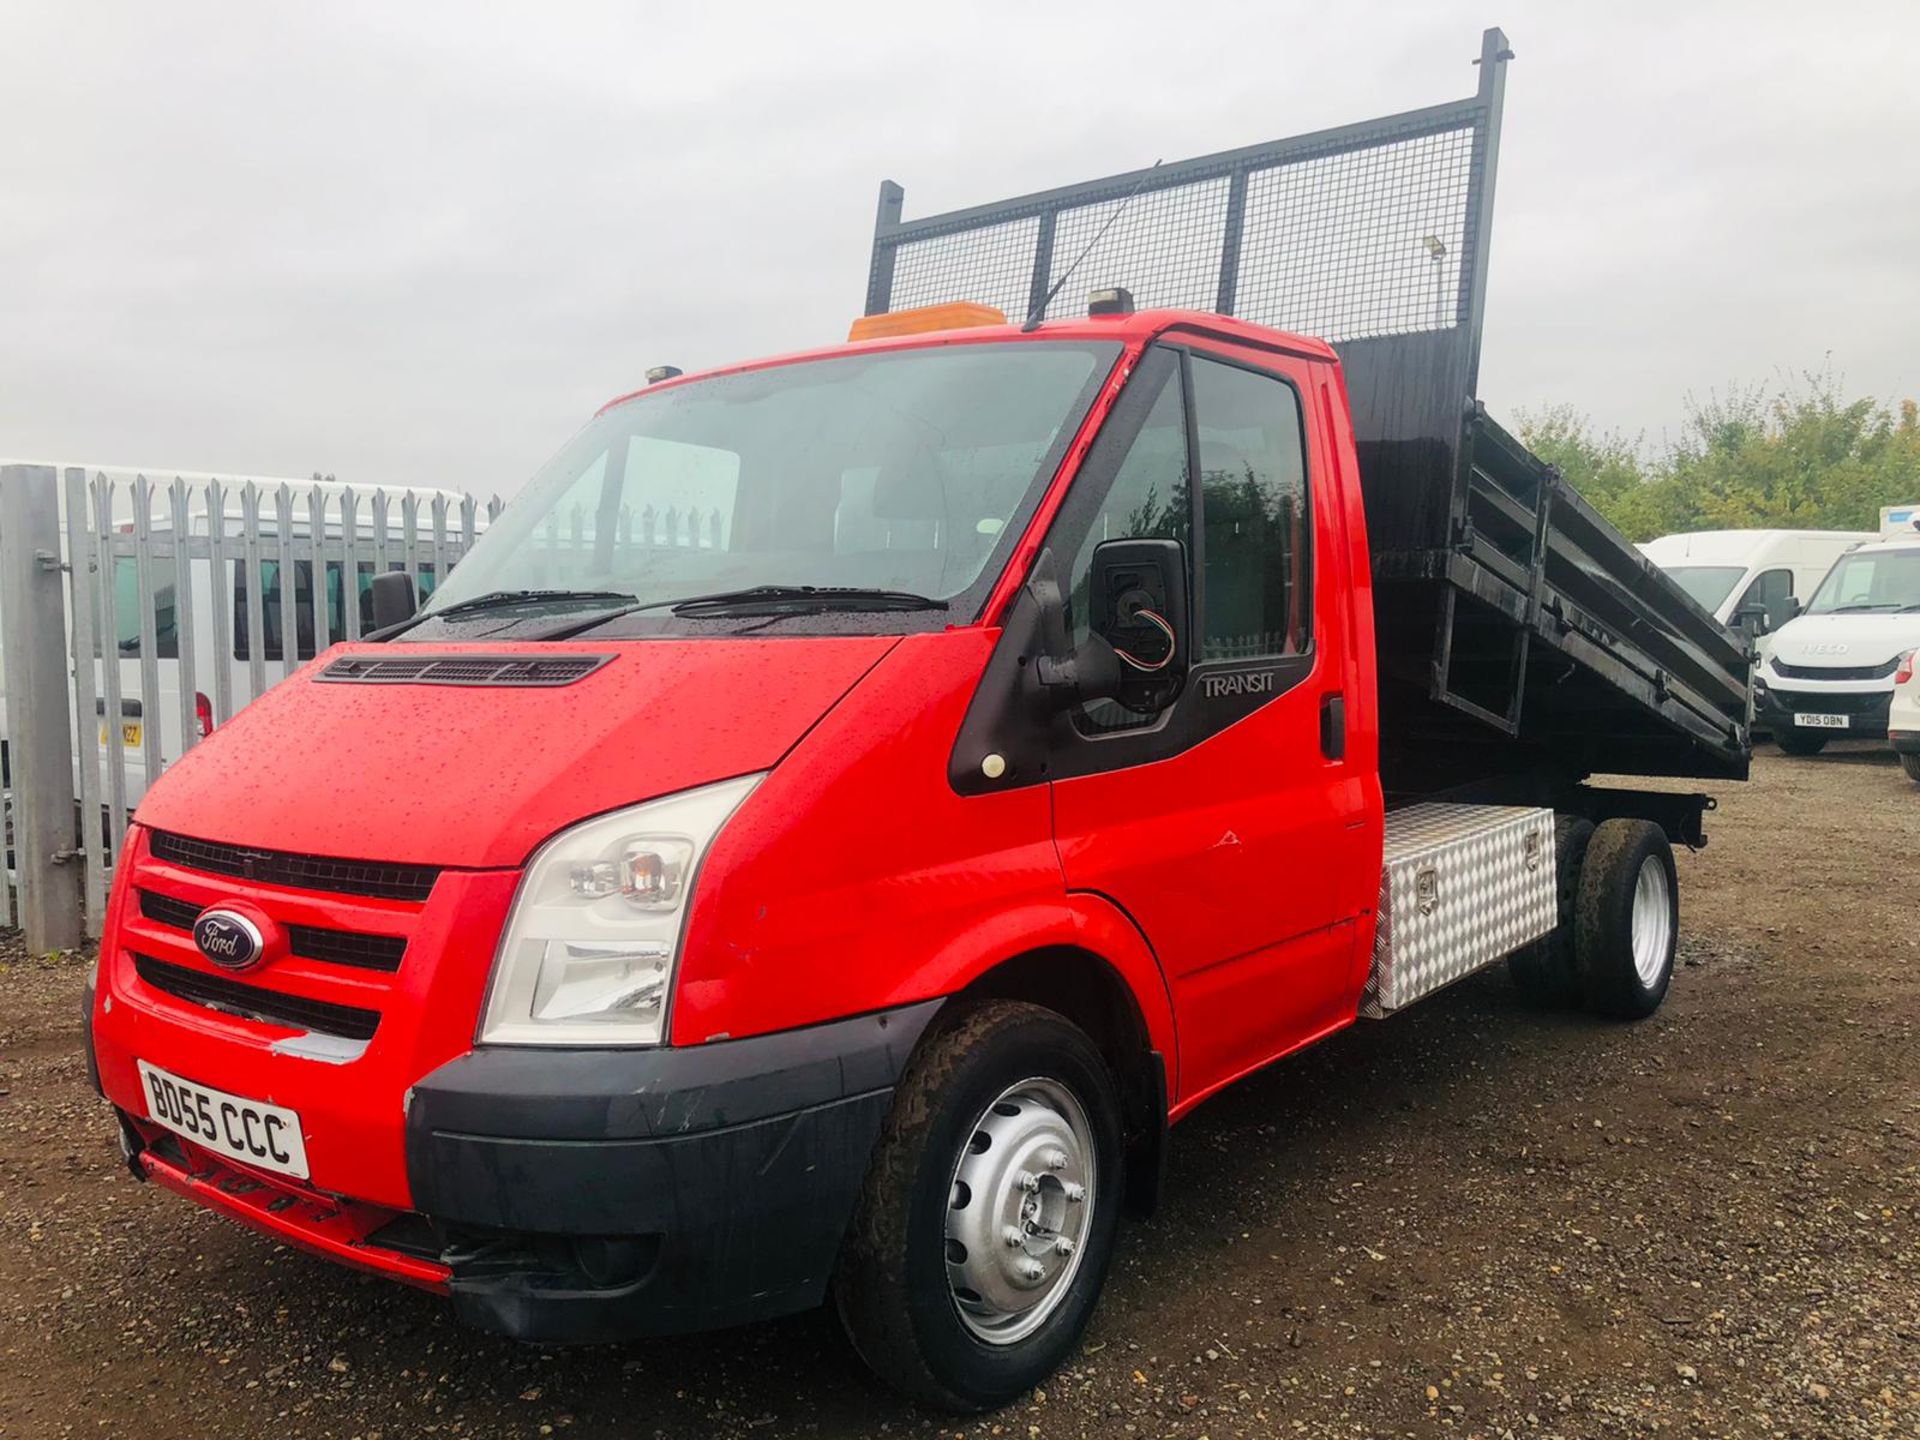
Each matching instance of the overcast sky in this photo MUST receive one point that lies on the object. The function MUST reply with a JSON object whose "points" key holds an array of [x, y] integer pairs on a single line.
{"points": [[422, 242]]}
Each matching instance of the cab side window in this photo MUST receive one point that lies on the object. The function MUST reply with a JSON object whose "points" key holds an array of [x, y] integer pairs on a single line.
{"points": [[1256, 596], [1150, 498], [1767, 590]]}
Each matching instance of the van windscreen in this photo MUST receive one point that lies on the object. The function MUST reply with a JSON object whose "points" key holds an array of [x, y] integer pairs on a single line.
{"points": [[1870, 580], [904, 470], [1707, 584]]}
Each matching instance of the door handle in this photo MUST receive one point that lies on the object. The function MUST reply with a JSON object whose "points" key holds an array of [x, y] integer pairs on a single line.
{"points": [[1333, 725]]}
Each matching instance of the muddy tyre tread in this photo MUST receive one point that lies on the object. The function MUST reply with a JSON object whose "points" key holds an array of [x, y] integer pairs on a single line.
{"points": [[882, 1308], [1603, 937]]}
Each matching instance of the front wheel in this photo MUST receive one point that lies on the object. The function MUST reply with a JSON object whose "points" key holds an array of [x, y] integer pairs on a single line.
{"points": [[1911, 764], [981, 1239]]}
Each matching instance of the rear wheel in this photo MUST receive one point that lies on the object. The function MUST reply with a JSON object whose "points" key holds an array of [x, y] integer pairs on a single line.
{"points": [[1911, 764], [1800, 742], [982, 1237], [1543, 970], [1626, 919]]}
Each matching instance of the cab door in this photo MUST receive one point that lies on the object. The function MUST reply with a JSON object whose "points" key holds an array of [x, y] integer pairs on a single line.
{"points": [[1231, 826]]}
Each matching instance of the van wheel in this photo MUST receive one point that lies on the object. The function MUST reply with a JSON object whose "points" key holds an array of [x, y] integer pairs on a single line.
{"points": [[982, 1235], [1911, 764], [1543, 969], [1626, 919], [1800, 742]]}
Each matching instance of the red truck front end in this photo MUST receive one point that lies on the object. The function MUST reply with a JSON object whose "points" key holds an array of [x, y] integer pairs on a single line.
{"points": [[563, 954]]}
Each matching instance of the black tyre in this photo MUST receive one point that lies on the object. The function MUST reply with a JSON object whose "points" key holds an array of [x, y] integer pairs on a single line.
{"points": [[982, 1237], [1626, 919], [1911, 764], [1800, 742], [1543, 970]]}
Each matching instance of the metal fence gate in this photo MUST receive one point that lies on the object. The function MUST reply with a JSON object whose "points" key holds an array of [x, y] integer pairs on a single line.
{"points": [[173, 602]]}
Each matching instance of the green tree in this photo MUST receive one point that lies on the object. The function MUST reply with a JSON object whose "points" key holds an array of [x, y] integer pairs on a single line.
{"points": [[1801, 454], [1608, 470]]}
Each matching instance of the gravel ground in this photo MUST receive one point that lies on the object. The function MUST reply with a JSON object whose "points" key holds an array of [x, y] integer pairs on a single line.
{"points": [[1473, 1220]]}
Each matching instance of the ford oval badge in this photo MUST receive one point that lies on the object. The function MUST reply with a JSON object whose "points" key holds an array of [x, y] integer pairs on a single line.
{"points": [[230, 941]]}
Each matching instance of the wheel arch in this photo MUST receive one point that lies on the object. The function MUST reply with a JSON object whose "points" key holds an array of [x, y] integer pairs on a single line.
{"points": [[1091, 992]]}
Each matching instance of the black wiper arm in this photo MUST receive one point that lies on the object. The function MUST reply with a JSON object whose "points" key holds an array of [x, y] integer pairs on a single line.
{"points": [[762, 599], [757, 600], [511, 599]]}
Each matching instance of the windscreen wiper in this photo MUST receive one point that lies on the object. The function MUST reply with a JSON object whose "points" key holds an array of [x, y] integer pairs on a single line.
{"points": [[772, 600], [512, 599]]}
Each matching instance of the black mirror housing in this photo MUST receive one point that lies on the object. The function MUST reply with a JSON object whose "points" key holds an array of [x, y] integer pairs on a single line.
{"points": [[393, 598], [1137, 607], [1136, 651]]}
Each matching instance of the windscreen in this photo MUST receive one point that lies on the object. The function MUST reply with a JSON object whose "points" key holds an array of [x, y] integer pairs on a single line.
{"points": [[1865, 581], [906, 470], [1709, 585]]}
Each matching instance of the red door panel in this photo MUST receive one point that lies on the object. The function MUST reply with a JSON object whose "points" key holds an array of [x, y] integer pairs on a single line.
{"points": [[1241, 857]]}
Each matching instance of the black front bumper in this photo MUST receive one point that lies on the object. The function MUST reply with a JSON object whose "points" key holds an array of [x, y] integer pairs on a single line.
{"points": [[1866, 711], [601, 1194]]}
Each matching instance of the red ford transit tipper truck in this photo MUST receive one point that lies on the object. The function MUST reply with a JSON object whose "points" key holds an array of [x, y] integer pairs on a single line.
{"points": [[849, 806]]}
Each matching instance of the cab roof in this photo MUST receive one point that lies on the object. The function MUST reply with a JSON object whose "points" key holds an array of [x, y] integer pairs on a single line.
{"points": [[1133, 331]]}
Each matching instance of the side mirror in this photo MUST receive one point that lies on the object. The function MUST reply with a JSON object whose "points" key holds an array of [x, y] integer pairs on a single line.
{"points": [[1136, 653], [1780, 611], [1752, 619], [1137, 604], [393, 598]]}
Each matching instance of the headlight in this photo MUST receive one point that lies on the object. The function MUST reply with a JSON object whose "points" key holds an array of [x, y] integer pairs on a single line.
{"points": [[590, 945]]}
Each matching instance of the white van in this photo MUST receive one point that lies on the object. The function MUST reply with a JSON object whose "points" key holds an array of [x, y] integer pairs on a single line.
{"points": [[1754, 580], [1831, 671]]}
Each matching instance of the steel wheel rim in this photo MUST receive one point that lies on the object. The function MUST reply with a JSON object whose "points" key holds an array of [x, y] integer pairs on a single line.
{"points": [[1652, 920], [1019, 1209]]}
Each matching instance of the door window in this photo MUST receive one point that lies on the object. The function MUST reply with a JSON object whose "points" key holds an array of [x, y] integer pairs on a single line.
{"points": [[1768, 590], [272, 645], [126, 613], [1255, 597], [1149, 498]]}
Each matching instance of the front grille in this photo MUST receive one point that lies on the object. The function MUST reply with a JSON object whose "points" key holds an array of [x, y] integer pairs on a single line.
{"points": [[1833, 702], [165, 910], [347, 947], [1836, 672], [299, 872], [516, 670], [310, 942], [251, 1002]]}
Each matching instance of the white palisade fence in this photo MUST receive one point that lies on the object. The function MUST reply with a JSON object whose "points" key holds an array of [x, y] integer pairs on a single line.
{"points": [[180, 599]]}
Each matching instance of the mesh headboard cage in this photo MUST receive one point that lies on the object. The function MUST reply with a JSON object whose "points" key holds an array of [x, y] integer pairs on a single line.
{"points": [[1373, 236]]}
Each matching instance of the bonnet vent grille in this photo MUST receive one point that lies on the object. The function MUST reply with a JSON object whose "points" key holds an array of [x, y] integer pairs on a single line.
{"points": [[520, 670]]}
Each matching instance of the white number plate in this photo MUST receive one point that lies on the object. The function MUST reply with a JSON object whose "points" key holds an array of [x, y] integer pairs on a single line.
{"points": [[1822, 722], [247, 1130]]}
